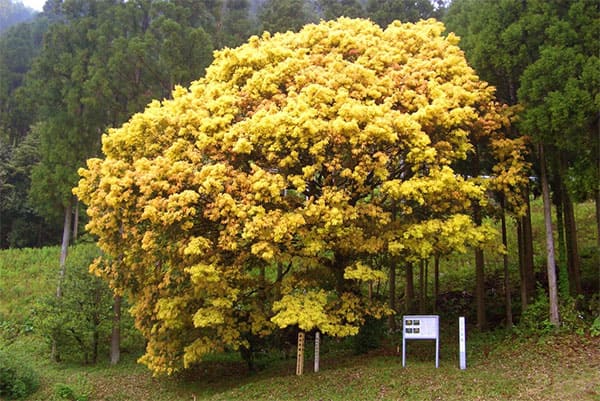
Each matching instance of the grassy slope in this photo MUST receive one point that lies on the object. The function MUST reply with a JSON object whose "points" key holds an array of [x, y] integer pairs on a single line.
{"points": [[500, 367], [560, 368]]}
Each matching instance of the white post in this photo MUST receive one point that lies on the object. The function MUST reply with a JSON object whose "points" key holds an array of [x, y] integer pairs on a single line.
{"points": [[462, 343], [437, 352], [403, 349], [317, 347]]}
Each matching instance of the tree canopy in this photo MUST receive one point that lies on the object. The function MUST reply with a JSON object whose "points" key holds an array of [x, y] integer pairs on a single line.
{"points": [[256, 198]]}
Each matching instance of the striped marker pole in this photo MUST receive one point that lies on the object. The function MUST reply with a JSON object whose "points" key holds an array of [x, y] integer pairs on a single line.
{"points": [[462, 344]]}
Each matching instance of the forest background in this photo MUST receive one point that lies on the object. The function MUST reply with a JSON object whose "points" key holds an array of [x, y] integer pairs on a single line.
{"points": [[80, 67]]}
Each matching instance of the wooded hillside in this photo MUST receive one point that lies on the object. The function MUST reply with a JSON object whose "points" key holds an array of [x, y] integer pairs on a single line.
{"points": [[315, 177]]}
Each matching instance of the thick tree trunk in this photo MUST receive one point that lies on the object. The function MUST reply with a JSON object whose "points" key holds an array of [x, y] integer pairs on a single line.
{"points": [[522, 276], [550, 256], [480, 289], [115, 337], [422, 286], [66, 239], [480, 279], [528, 244], [76, 221], [62, 267], [277, 290], [526, 256], [507, 297], [479, 260], [596, 131], [95, 341], [409, 291], [573, 259], [598, 225], [563, 275], [392, 294]]}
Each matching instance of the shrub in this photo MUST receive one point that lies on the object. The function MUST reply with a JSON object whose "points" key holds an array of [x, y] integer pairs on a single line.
{"points": [[17, 378], [369, 336], [64, 392], [78, 320], [535, 319]]}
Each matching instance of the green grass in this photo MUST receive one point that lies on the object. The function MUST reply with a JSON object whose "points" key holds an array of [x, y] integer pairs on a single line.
{"points": [[24, 275], [501, 366]]}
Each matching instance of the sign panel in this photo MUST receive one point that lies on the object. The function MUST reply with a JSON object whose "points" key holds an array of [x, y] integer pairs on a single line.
{"points": [[421, 327]]}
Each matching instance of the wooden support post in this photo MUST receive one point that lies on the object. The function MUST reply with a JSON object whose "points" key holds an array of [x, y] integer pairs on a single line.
{"points": [[300, 355], [317, 350]]}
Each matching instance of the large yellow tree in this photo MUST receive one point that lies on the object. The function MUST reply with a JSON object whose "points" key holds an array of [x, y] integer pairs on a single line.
{"points": [[256, 198]]}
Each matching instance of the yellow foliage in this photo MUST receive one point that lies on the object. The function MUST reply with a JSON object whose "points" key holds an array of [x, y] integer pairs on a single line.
{"points": [[360, 271], [297, 158]]}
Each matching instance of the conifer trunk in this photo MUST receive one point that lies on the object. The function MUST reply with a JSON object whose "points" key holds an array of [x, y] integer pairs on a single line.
{"points": [[66, 239], [392, 294], [76, 221], [563, 275], [436, 281], [524, 235], [573, 259], [63, 265], [521, 246], [508, 300], [480, 279], [528, 247], [598, 223], [115, 337], [409, 291], [550, 256], [422, 286]]}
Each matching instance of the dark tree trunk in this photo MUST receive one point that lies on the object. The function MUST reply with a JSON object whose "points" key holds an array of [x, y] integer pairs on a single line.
{"points": [[480, 289], [422, 286], [115, 337], [528, 245], [436, 282], [525, 236], [573, 259], [409, 292], [479, 279], [392, 294], [550, 257], [76, 221], [563, 275], [64, 249], [508, 301], [596, 131], [521, 245], [54, 355], [598, 225], [95, 342]]}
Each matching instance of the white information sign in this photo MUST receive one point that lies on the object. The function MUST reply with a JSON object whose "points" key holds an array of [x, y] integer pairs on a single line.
{"points": [[421, 327]]}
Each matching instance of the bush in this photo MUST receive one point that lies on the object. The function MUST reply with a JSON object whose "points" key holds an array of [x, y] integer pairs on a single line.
{"points": [[64, 392], [535, 319], [17, 378], [78, 320], [369, 336]]}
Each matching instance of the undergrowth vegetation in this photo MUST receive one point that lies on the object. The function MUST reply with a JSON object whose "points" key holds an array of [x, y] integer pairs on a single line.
{"points": [[533, 361]]}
